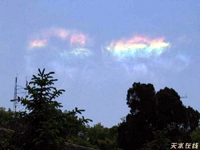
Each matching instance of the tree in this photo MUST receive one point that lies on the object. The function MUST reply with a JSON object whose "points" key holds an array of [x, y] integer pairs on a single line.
{"points": [[193, 118], [137, 128], [152, 112], [44, 125], [195, 136], [160, 141], [5, 131], [170, 111], [104, 138]]}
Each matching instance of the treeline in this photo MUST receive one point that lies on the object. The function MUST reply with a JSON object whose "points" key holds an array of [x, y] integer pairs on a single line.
{"points": [[156, 120]]}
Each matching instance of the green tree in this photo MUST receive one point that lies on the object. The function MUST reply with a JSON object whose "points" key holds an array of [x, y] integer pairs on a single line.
{"points": [[193, 118], [104, 138], [195, 136], [160, 141], [45, 126], [5, 131]]}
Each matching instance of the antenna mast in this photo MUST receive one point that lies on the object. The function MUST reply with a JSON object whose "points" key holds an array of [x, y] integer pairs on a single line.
{"points": [[15, 96], [18, 90], [184, 96]]}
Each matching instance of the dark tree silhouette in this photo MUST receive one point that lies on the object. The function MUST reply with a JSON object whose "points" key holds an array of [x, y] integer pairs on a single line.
{"points": [[152, 112]]}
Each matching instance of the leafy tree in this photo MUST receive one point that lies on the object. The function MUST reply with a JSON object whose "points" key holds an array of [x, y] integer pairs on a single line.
{"points": [[170, 111], [193, 118], [44, 124], [104, 138], [160, 141], [137, 128], [150, 113], [5, 131], [195, 136], [5, 116]]}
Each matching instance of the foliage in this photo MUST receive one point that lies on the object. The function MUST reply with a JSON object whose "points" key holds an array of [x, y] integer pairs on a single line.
{"points": [[155, 119], [195, 136], [150, 113], [5, 116], [45, 125], [102, 137], [5, 131], [193, 118], [160, 141]]}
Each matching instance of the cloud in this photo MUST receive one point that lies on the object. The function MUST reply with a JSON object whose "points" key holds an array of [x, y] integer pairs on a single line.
{"points": [[143, 57], [137, 46], [58, 32], [72, 36], [76, 42], [142, 68], [79, 39], [37, 43], [70, 50], [48, 33], [81, 52], [60, 49]]}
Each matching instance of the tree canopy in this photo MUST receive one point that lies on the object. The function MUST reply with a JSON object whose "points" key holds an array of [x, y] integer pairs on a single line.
{"points": [[43, 125], [150, 113], [155, 120]]}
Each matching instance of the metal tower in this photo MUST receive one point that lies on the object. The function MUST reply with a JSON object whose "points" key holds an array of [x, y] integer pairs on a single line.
{"points": [[15, 96], [18, 90]]}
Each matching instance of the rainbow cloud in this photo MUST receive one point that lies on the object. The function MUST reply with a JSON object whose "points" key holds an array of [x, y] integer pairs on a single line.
{"points": [[76, 42], [56, 32], [74, 37], [137, 46], [38, 43], [77, 39]]}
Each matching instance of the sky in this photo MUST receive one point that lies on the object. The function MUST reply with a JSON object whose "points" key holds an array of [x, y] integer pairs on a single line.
{"points": [[98, 49]]}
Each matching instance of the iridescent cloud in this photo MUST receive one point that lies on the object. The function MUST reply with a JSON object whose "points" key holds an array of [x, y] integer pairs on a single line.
{"points": [[137, 46], [61, 33], [75, 41], [81, 52], [38, 43], [74, 37], [78, 39], [55, 32]]}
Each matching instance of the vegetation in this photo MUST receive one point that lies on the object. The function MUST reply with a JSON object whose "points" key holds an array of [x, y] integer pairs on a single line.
{"points": [[155, 120], [195, 136], [155, 115]]}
